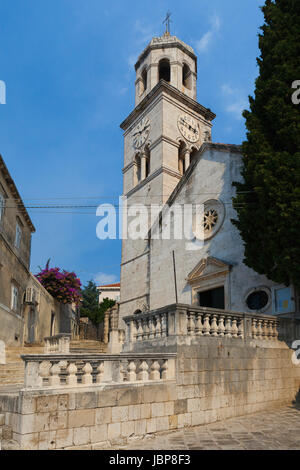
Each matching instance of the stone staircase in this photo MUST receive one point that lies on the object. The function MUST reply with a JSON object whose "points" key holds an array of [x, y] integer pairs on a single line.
{"points": [[13, 371], [87, 346]]}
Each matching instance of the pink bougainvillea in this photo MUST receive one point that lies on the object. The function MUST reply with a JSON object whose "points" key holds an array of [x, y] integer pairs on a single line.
{"points": [[62, 285]]}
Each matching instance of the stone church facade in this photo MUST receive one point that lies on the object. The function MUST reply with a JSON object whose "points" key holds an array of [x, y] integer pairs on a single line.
{"points": [[169, 160]]}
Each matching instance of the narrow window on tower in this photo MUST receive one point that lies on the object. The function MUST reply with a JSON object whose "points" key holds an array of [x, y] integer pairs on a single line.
{"points": [[181, 162], [147, 152], [143, 82], [164, 71], [137, 169], [186, 77]]}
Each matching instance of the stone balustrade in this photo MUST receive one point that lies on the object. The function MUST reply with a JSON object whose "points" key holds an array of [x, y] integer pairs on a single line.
{"points": [[192, 321], [59, 344], [73, 370]]}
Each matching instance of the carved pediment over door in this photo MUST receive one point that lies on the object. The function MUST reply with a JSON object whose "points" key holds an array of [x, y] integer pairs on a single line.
{"points": [[208, 268]]}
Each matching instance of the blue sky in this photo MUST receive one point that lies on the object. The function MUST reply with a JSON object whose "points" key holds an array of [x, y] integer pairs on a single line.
{"points": [[68, 66]]}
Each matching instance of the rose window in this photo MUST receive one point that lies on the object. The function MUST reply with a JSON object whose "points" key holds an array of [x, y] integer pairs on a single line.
{"points": [[210, 220]]}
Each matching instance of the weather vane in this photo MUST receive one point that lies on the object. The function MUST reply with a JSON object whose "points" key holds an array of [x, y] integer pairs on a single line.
{"points": [[167, 21]]}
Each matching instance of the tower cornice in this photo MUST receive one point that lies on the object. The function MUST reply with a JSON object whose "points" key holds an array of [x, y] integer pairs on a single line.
{"points": [[165, 41], [163, 86]]}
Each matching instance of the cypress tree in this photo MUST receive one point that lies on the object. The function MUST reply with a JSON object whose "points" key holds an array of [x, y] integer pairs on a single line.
{"points": [[90, 306], [268, 201], [90, 303]]}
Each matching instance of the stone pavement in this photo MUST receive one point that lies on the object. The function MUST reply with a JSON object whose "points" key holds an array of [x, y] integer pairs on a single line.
{"points": [[277, 429]]}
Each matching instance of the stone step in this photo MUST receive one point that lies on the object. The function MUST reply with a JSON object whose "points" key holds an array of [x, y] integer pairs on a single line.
{"points": [[12, 366], [88, 351], [11, 371], [13, 354], [86, 343]]}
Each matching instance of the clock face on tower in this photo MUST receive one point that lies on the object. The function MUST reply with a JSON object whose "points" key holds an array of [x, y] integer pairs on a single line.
{"points": [[188, 127], [141, 132]]}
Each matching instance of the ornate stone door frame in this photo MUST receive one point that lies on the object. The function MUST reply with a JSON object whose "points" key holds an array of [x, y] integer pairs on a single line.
{"points": [[210, 273]]}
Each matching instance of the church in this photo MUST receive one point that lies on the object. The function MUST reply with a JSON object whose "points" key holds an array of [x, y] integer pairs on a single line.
{"points": [[170, 160]]}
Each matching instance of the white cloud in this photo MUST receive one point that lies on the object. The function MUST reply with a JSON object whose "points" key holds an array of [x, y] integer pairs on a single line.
{"points": [[103, 278], [203, 44], [238, 100], [143, 34], [123, 90], [237, 108], [227, 90]]}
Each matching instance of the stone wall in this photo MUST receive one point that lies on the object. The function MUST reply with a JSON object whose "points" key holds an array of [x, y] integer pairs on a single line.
{"points": [[216, 379]]}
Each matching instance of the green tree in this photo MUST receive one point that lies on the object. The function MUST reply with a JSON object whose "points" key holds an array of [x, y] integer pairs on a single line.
{"points": [[90, 306], [268, 201], [104, 305]]}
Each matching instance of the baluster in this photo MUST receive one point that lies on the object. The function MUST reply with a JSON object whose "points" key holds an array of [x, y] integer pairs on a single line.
{"points": [[206, 326], [155, 370], [165, 369], [259, 329], [54, 378], [191, 324], [71, 374], [143, 371], [132, 331], [151, 328], [139, 331], [199, 326], [270, 330], [100, 372], [264, 330], [275, 330], [131, 368], [158, 327], [228, 327], [135, 329], [123, 377], [146, 329], [234, 328], [163, 325], [241, 328], [254, 328], [214, 326], [221, 326], [87, 376]]}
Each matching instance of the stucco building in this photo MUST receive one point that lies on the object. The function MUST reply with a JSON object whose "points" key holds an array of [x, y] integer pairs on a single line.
{"points": [[109, 291], [16, 229], [170, 160], [28, 312]]}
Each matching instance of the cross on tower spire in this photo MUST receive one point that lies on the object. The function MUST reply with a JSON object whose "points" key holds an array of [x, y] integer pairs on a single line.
{"points": [[167, 21]]}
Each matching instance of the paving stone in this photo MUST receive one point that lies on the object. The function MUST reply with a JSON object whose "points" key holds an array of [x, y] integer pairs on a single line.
{"points": [[274, 430]]}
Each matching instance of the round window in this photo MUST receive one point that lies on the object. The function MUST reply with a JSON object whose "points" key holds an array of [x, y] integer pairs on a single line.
{"points": [[214, 213], [257, 300], [210, 220]]}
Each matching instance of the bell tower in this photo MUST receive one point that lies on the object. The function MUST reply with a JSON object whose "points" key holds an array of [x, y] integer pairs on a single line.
{"points": [[166, 58], [167, 125], [161, 136]]}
